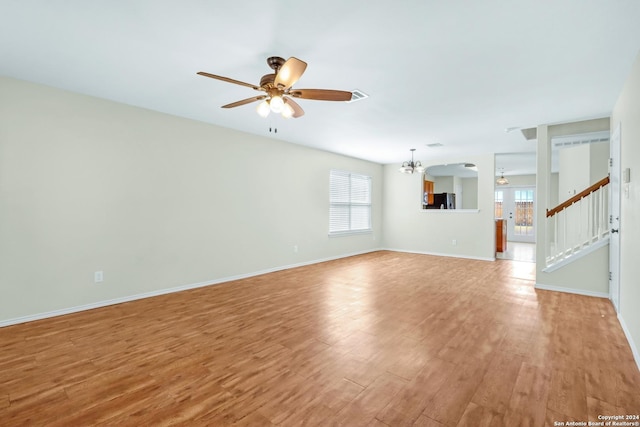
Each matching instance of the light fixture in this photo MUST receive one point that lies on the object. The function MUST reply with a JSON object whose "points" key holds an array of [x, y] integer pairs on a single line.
{"points": [[263, 108], [502, 180], [276, 104], [411, 167], [287, 111]]}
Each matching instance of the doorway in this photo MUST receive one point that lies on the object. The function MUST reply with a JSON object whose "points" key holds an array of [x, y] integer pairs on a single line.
{"points": [[517, 206]]}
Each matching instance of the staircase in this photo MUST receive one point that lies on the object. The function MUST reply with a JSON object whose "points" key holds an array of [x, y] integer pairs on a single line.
{"points": [[578, 226]]}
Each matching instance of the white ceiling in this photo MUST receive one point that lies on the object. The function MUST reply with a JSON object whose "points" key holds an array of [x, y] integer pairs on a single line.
{"points": [[453, 72]]}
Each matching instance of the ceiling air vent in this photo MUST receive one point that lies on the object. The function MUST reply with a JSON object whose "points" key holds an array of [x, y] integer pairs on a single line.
{"points": [[584, 138], [357, 95], [434, 145]]}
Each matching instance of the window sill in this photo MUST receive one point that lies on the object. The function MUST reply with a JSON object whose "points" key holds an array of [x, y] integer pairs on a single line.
{"points": [[350, 233]]}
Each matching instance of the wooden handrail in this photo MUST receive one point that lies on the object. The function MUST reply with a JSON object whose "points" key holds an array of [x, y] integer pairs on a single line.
{"points": [[584, 193]]}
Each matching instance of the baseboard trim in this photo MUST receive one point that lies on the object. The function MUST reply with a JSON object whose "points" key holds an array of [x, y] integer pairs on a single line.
{"points": [[632, 344], [439, 254], [572, 291], [129, 298]]}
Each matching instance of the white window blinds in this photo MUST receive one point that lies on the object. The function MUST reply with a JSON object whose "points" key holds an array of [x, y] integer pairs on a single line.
{"points": [[349, 202]]}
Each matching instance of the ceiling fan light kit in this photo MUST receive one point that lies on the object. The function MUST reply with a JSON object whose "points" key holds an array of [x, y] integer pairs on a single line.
{"points": [[409, 167], [276, 104], [263, 109], [279, 90]]}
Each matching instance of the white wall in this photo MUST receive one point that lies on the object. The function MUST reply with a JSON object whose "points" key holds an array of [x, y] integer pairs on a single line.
{"points": [[154, 201], [599, 161], [581, 166], [574, 172], [627, 114], [408, 227]]}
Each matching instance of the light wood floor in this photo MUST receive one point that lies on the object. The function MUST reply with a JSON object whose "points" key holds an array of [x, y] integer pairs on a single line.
{"points": [[518, 251], [380, 339]]}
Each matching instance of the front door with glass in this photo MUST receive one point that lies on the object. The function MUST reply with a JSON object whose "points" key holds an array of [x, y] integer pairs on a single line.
{"points": [[516, 205]]}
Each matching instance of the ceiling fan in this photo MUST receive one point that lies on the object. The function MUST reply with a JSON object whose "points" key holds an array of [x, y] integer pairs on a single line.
{"points": [[278, 90]]}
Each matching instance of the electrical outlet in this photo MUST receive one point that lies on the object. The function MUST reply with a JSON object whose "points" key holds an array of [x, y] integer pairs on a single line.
{"points": [[295, 249], [98, 277], [454, 242]]}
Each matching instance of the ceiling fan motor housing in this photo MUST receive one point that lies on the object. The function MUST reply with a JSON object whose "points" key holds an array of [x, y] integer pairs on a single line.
{"points": [[267, 80], [275, 62]]}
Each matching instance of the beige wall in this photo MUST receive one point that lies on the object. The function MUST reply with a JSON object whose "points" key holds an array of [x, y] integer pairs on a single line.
{"points": [[154, 201], [469, 193], [554, 183], [627, 114], [408, 227], [157, 201], [518, 181], [443, 184]]}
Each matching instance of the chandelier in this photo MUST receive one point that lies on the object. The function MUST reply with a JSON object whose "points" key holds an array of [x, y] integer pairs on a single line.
{"points": [[502, 180], [411, 167]]}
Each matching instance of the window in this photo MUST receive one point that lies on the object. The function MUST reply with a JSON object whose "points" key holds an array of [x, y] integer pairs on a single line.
{"points": [[499, 204], [349, 203], [524, 212]]}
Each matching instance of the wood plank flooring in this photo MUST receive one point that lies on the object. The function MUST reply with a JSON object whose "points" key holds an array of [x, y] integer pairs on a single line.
{"points": [[383, 339]]}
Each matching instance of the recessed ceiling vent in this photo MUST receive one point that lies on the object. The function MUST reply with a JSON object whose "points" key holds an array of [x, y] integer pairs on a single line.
{"points": [[583, 138], [434, 145], [357, 95]]}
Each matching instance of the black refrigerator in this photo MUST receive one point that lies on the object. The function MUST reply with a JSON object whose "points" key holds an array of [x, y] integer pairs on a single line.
{"points": [[443, 201]]}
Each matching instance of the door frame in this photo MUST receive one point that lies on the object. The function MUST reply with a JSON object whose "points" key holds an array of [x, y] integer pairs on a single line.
{"points": [[507, 214], [614, 217]]}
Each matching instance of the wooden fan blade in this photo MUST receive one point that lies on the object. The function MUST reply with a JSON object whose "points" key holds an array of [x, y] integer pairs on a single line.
{"points": [[289, 73], [297, 110], [321, 94], [244, 101], [228, 80]]}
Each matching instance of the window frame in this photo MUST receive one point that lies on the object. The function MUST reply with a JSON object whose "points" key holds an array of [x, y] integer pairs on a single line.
{"points": [[498, 200], [351, 203]]}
